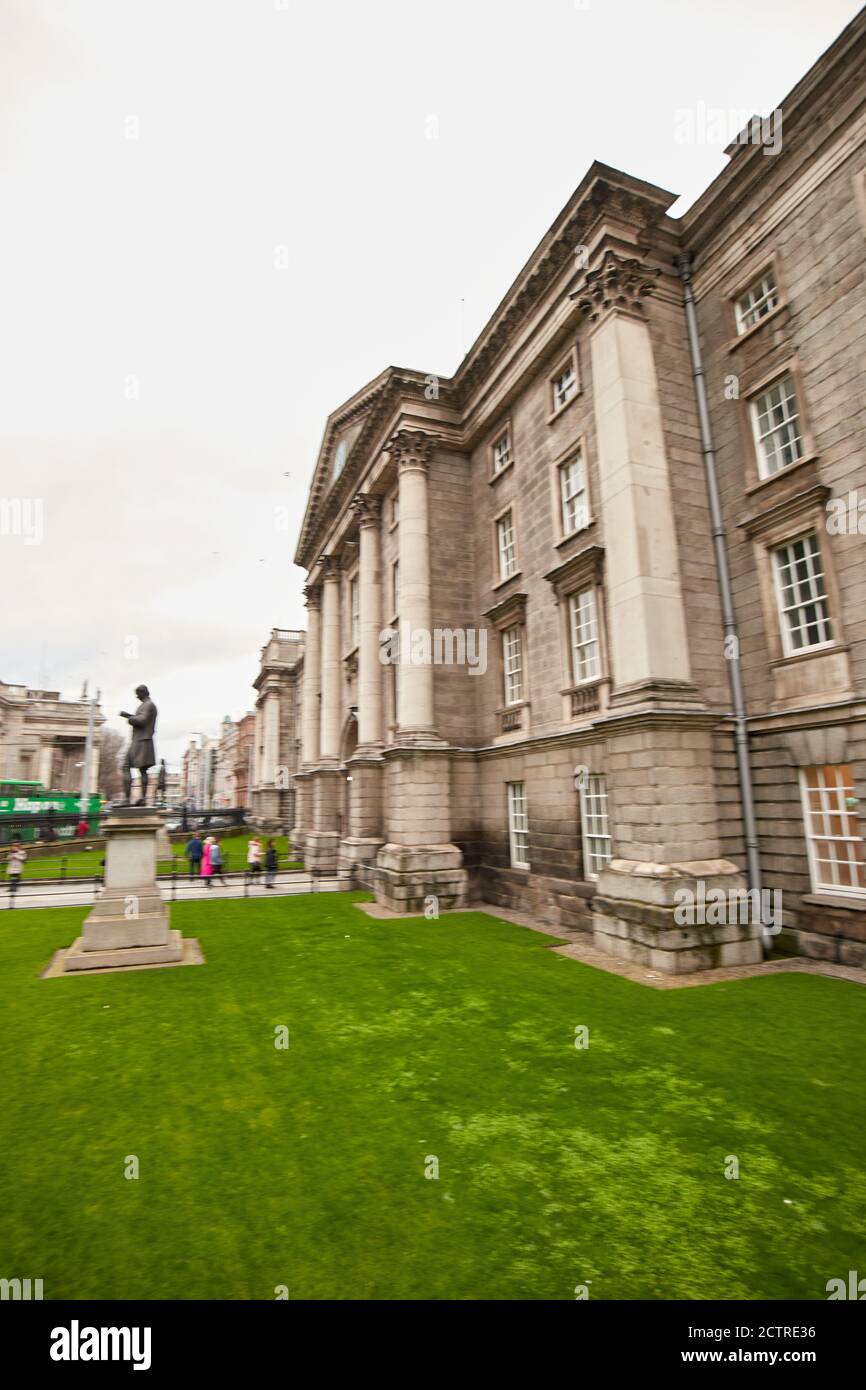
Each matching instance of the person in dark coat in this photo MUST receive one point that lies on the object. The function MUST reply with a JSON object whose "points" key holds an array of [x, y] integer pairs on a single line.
{"points": [[194, 851], [141, 752], [270, 864]]}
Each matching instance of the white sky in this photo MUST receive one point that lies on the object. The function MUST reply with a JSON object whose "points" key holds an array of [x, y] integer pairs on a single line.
{"points": [[148, 264]]}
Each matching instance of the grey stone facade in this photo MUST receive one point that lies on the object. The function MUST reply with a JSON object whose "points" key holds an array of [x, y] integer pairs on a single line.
{"points": [[275, 756], [623, 701]]}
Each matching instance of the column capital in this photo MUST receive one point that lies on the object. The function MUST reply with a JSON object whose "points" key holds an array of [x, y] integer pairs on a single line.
{"points": [[617, 282], [367, 507], [313, 596], [411, 449], [330, 566]]}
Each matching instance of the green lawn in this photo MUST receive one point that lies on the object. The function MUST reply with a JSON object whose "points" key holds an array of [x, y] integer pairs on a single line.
{"points": [[82, 863], [455, 1039]]}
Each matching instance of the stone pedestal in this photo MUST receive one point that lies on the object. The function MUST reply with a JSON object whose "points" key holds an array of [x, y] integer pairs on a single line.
{"points": [[406, 876], [322, 843], [129, 924], [676, 918]]}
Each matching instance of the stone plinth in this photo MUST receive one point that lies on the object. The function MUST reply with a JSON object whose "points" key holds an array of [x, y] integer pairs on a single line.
{"points": [[676, 918], [129, 924], [405, 877]]}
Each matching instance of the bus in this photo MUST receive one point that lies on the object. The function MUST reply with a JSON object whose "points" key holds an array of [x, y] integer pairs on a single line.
{"points": [[28, 809]]}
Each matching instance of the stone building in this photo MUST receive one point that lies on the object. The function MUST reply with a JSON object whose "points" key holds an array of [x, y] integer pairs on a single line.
{"points": [[276, 743], [244, 758], [198, 772], [42, 738], [623, 548], [225, 788]]}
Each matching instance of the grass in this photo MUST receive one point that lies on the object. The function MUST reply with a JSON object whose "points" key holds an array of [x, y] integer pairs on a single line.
{"points": [[82, 863], [305, 1167]]}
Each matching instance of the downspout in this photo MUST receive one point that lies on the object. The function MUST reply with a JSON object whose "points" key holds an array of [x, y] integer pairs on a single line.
{"points": [[729, 621]]}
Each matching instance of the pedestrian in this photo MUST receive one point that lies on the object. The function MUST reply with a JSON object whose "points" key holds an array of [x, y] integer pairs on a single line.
{"points": [[254, 856], [216, 860], [206, 865], [15, 861], [193, 851], [81, 828], [270, 864]]}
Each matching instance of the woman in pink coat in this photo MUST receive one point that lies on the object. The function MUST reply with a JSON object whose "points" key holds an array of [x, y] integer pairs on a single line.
{"points": [[206, 865]]}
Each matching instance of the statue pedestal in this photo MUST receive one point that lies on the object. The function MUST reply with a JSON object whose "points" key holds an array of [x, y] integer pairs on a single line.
{"points": [[129, 924]]}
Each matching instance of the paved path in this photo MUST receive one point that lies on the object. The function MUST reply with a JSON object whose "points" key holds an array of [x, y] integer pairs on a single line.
{"points": [[577, 945], [36, 893]]}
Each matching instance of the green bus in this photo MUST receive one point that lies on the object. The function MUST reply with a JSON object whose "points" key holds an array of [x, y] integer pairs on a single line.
{"points": [[28, 809]]}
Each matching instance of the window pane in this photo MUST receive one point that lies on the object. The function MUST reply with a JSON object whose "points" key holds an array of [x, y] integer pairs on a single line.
{"points": [[836, 849]]}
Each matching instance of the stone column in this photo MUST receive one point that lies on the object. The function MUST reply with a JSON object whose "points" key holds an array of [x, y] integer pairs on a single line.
{"points": [[312, 687], [645, 603], [329, 746], [322, 843], [46, 763], [411, 450], [369, 510], [362, 836], [666, 846]]}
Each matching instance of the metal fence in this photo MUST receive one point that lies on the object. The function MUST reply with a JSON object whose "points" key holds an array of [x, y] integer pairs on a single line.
{"points": [[177, 886]]}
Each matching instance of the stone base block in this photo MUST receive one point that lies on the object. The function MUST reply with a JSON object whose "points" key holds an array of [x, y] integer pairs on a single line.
{"points": [[405, 877], [80, 957], [322, 851], [112, 933], [356, 850], [641, 913]]}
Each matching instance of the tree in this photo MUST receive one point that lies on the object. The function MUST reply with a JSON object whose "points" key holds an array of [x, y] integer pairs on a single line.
{"points": [[110, 781]]}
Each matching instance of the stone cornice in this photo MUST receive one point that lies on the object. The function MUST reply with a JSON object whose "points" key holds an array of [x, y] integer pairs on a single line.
{"points": [[379, 401], [801, 506], [605, 194], [586, 564], [510, 610]]}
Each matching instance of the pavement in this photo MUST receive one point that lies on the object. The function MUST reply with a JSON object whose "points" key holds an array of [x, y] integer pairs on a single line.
{"points": [[82, 892]]}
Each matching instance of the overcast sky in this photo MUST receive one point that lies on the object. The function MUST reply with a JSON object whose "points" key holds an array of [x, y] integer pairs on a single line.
{"points": [[220, 218]]}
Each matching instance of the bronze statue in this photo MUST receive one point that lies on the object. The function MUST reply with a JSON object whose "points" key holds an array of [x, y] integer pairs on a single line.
{"points": [[140, 752]]}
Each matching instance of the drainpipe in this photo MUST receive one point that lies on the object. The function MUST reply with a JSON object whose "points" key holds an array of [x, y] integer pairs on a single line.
{"points": [[732, 640]]}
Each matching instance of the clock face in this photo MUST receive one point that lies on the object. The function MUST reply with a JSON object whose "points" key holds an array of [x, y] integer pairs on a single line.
{"points": [[340, 458]]}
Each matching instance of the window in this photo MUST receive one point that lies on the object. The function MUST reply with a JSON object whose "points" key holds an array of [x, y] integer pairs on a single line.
{"points": [[595, 826], [563, 384], [572, 494], [801, 595], [502, 452], [836, 851], [512, 665], [518, 825], [760, 299], [583, 618], [506, 546], [395, 588], [776, 427], [355, 608]]}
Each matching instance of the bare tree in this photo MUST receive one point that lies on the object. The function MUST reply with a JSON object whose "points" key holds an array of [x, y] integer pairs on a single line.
{"points": [[110, 765]]}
